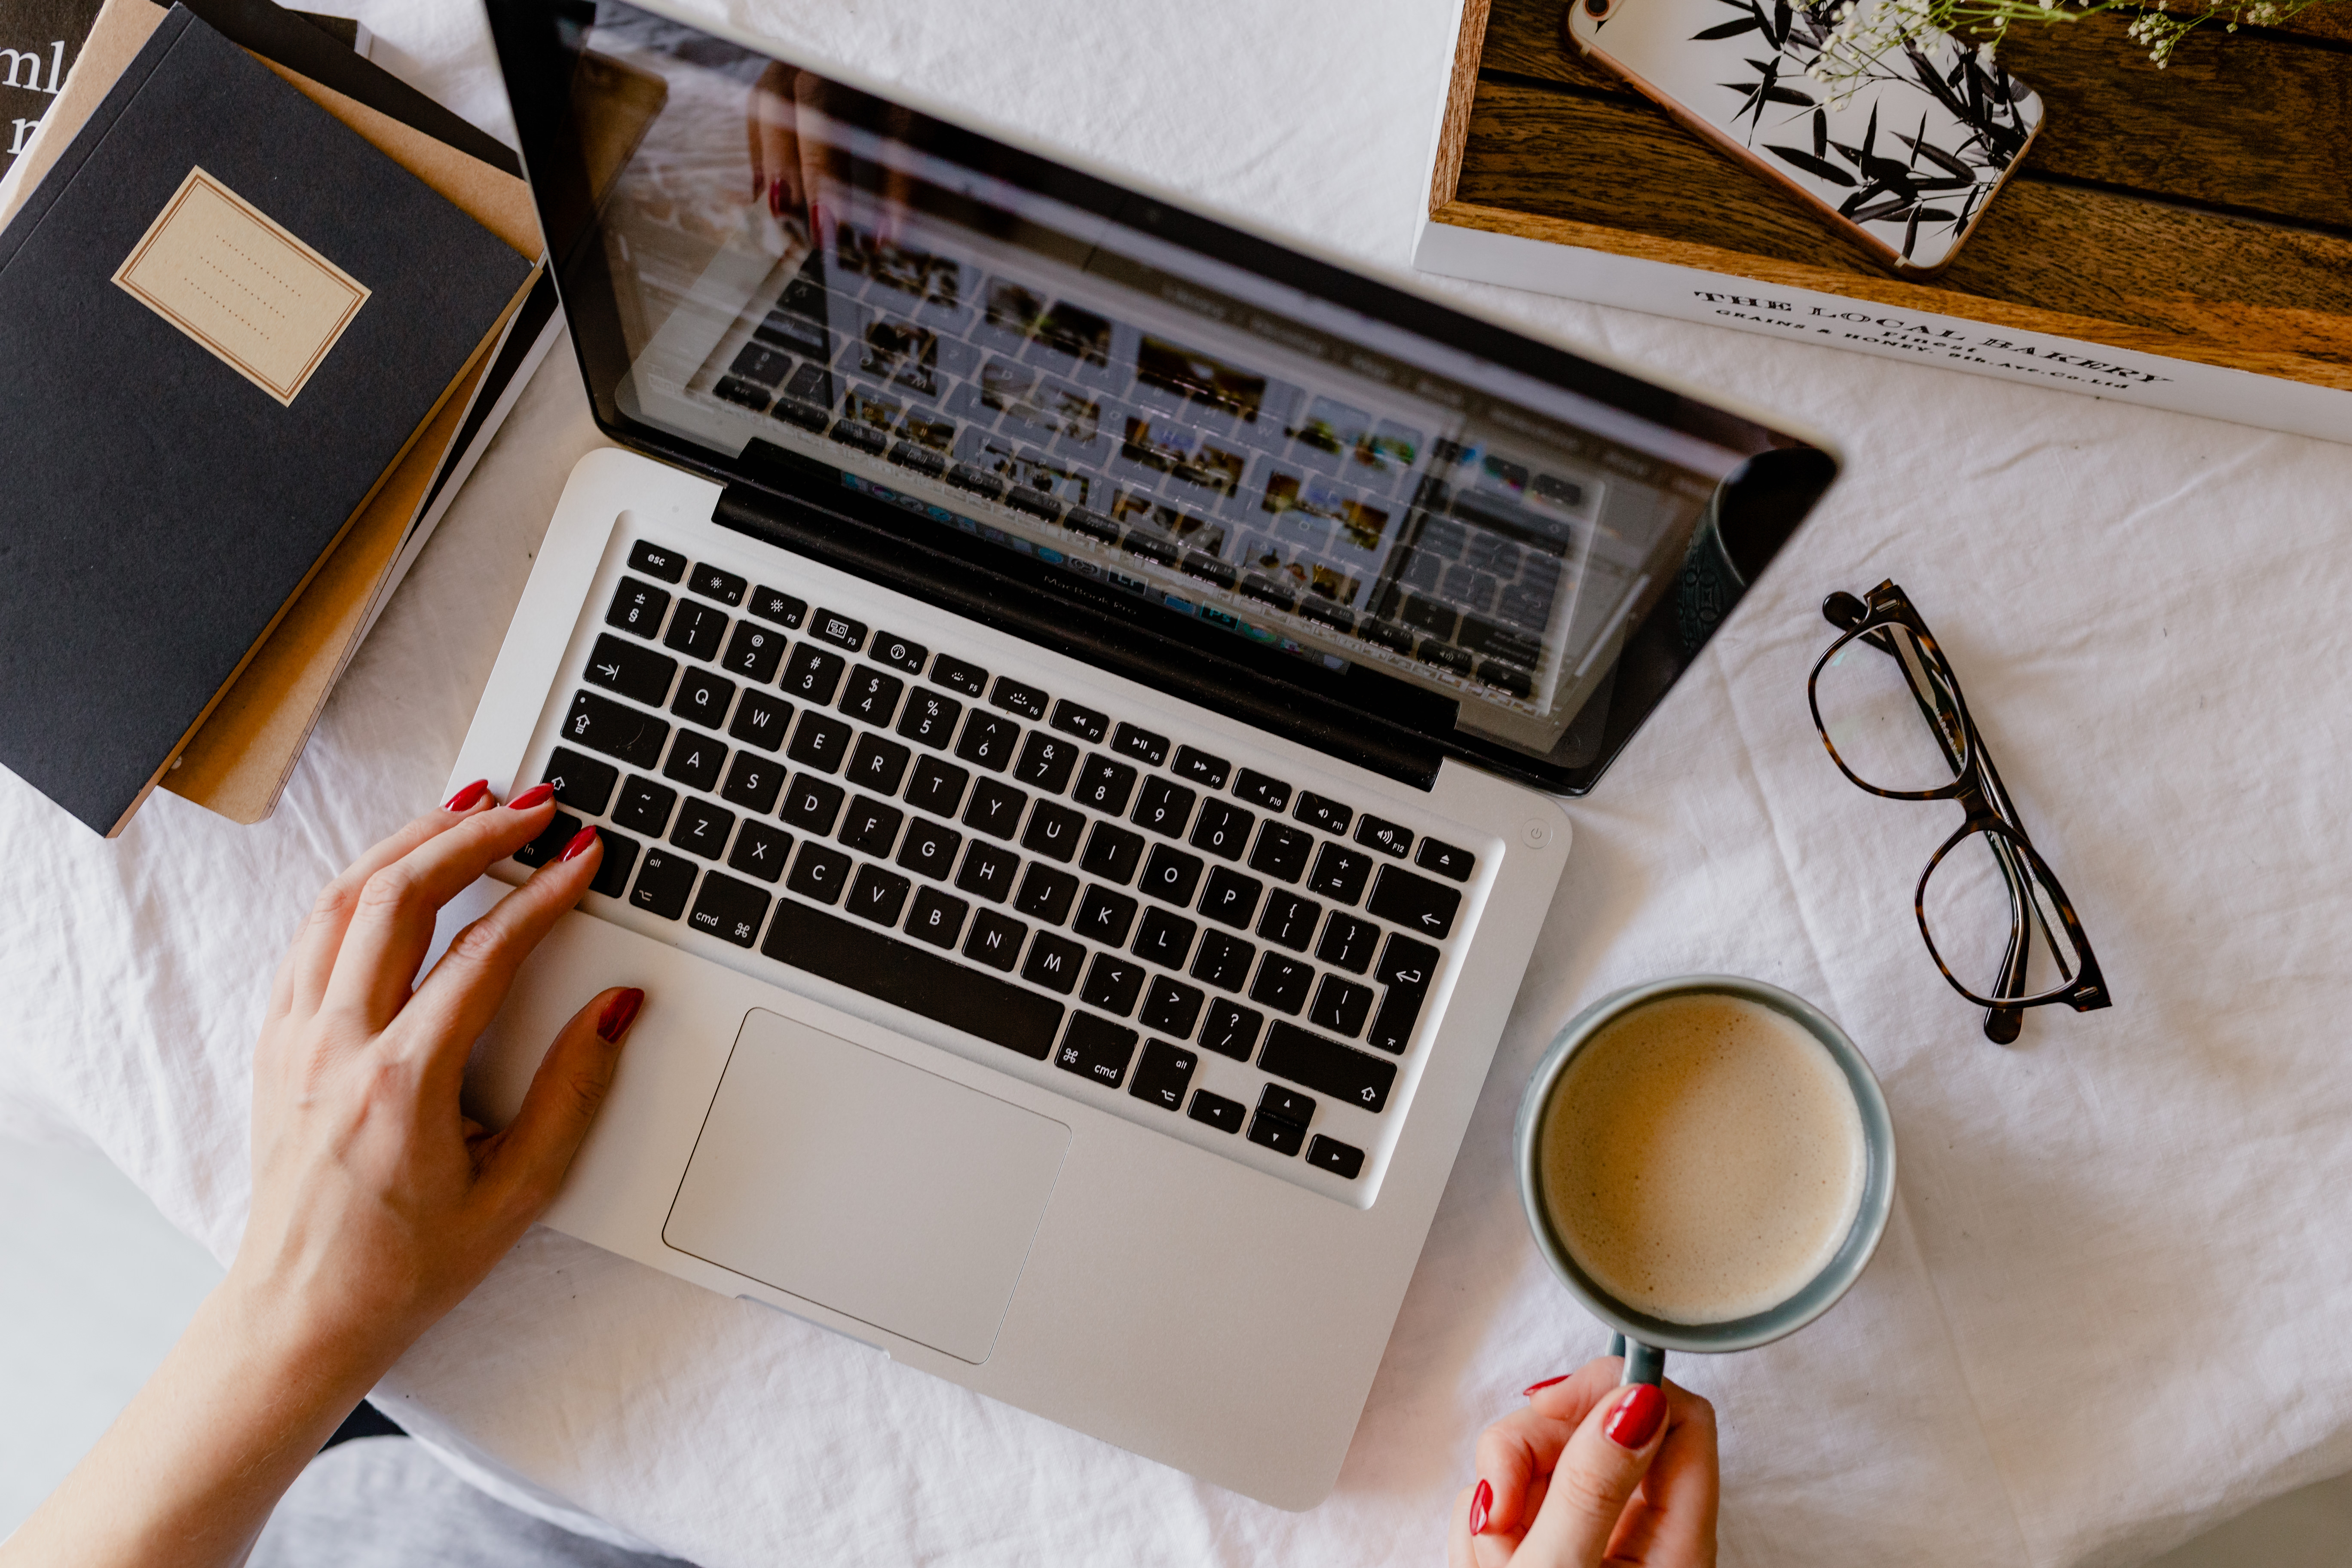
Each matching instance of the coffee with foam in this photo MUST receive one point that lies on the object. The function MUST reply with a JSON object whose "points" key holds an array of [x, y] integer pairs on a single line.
{"points": [[1703, 1158]]}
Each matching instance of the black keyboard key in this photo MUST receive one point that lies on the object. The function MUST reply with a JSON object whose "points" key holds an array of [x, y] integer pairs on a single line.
{"points": [[696, 631], [760, 851], [908, 976], [923, 461], [1164, 1074], [1389, 840], [988, 872], [695, 759], [1053, 962], [995, 808], [1164, 939], [1140, 744], [813, 674], [1104, 785], [1269, 795], [871, 828], [1222, 962], [1327, 815], [1289, 919], [1232, 899], [936, 787], [812, 805], [1232, 1030], [1277, 1133], [1083, 722], [1096, 1048], [612, 877], [1414, 902], [583, 783], [995, 940], [663, 883], [637, 673], [645, 805], [604, 725], [1171, 876], [1092, 525], [1171, 1008], [1341, 1006], [1200, 768], [930, 849], [1407, 964], [877, 895], [1223, 829], [964, 477], [1281, 851], [1045, 894], [957, 676], [931, 718], [1113, 982], [702, 828], [1347, 944], [560, 831], [877, 764], [838, 630], [1164, 806], [1015, 697], [637, 609], [761, 720], [1045, 761], [820, 741], [714, 584], [871, 696], [703, 698], [1112, 853], [1225, 1115], [1338, 873], [656, 560], [1328, 1067], [729, 910], [937, 918], [753, 653], [820, 872], [1281, 984], [1053, 831], [1287, 1103], [899, 653], [1339, 1159], [988, 740], [1104, 917], [775, 605], [752, 782], [1445, 860]]}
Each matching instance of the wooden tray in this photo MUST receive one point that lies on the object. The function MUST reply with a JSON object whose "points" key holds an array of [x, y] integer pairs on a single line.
{"points": [[2203, 213]]}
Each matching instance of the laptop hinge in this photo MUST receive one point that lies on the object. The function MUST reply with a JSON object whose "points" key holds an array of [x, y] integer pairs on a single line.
{"points": [[1066, 624]]}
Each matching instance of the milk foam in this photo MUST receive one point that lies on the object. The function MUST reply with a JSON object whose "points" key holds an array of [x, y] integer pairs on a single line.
{"points": [[1703, 1158]]}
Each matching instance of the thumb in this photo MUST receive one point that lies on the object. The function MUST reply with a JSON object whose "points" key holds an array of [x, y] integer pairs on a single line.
{"points": [[536, 1150], [1595, 1479]]}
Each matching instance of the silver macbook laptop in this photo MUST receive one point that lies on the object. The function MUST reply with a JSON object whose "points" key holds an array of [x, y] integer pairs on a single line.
{"points": [[1074, 694]]}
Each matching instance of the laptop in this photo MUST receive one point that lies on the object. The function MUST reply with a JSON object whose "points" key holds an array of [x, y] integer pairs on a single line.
{"points": [[1077, 696]]}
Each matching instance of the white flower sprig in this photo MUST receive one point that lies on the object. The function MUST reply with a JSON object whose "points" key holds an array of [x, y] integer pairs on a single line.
{"points": [[1861, 32]]}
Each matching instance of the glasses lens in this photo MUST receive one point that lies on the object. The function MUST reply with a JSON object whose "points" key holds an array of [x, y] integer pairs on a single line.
{"points": [[1992, 918], [1888, 707]]}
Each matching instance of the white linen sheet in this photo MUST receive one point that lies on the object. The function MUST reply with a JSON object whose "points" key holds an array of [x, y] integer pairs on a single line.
{"points": [[2111, 1308]]}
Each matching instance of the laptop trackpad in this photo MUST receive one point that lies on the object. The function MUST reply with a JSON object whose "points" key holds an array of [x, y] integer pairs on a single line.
{"points": [[888, 1193]]}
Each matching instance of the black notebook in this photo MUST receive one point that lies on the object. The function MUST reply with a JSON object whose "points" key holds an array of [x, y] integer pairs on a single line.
{"points": [[226, 316]]}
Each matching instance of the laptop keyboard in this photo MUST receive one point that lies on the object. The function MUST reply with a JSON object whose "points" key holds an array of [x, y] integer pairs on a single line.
{"points": [[1079, 886]]}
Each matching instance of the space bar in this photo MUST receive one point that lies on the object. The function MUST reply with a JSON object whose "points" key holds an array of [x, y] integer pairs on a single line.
{"points": [[895, 972]]}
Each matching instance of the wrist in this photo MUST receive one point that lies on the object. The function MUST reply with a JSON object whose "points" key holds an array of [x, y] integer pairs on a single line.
{"points": [[280, 1345]]}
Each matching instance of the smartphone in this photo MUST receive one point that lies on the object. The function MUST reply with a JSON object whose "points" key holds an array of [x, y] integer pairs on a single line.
{"points": [[1901, 158]]}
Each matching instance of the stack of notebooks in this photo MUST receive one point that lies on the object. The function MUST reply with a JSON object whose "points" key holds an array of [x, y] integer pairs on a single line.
{"points": [[265, 305]]}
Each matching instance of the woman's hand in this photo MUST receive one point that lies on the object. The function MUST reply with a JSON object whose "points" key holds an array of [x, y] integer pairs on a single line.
{"points": [[376, 1204], [1589, 1473]]}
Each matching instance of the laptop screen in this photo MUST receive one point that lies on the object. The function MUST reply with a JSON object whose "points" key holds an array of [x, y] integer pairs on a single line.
{"points": [[1384, 492]]}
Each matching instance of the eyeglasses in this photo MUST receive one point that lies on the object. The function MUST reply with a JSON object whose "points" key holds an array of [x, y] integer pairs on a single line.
{"points": [[1995, 920]]}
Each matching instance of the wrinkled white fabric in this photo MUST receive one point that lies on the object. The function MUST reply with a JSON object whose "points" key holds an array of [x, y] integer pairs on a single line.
{"points": [[2109, 1308]]}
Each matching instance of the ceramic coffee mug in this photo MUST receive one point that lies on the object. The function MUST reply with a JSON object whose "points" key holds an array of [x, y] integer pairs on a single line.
{"points": [[1642, 1338]]}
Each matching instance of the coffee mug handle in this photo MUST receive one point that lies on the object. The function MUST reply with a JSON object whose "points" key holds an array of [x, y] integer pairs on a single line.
{"points": [[1643, 1364]]}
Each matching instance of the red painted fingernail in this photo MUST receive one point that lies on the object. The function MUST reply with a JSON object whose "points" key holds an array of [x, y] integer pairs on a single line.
{"points": [[579, 845], [466, 798], [619, 1014], [1534, 1388], [1480, 1501], [536, 796], [1634, 1423]]}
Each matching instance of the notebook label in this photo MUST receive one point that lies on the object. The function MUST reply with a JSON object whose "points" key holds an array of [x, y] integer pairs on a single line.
{"points": [[241, 284]]}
